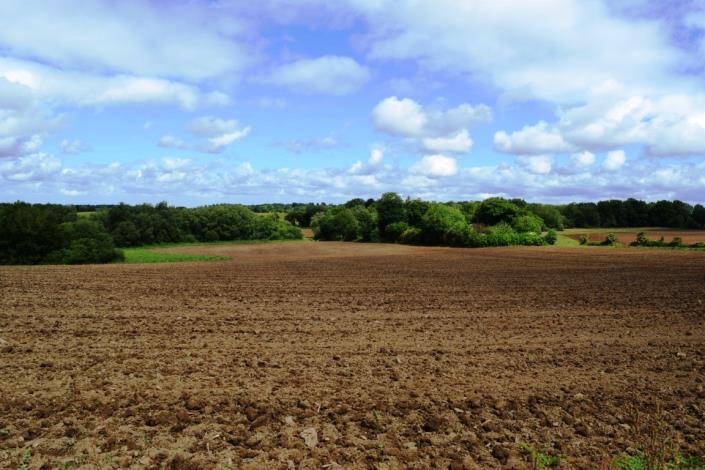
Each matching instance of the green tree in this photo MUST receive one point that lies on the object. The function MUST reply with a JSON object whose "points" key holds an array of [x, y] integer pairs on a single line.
{"points": [[443, 225], [528, 223], [390, 209], [495, 210]]}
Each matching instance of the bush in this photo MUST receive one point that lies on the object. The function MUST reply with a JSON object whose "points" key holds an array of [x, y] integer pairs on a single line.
{"points": [[641, 239], [85, 242], [411, 236], [495, 210], [676, 242], [551, 237], [501, 235], [584, 239], [443, 225], [528, 223], [610, 239], [394, 231]]}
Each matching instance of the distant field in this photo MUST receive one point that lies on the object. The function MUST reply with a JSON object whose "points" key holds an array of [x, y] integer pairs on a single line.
{"points": [[627, 235], [166, 253], [85, 214]]}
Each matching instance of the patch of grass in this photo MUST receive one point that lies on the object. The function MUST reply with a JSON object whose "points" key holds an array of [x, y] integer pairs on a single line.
{"points": [[151, 255], [562, 240], [85, 214], [26, 459], [540, 460], [641, 462]]}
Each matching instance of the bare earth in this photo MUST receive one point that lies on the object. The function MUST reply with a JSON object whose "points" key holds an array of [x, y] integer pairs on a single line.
{"points": [[300, 355]]}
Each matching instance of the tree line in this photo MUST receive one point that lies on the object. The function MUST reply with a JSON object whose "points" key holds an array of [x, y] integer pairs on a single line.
{"points": [[52, 233], [492, 222], [58, 234]]}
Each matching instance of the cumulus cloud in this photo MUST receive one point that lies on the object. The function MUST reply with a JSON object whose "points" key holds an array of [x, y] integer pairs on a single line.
{"points": [[458, 143], [538, 164], [435, 166], [583, 159], [532, 140], [330, 75], [215, 133], [73, 147], [614, 160], [434, 129], [373, 165], [543, 59]]}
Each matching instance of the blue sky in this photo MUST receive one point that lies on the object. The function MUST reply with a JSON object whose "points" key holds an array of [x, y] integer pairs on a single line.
{"points": [[199, 102]]}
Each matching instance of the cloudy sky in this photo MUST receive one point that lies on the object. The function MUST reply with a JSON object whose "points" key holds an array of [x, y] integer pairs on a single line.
{"points": [[206, 101]]}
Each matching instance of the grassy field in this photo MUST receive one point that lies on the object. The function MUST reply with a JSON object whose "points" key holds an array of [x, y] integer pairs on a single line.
{"points": [[151, 253]]}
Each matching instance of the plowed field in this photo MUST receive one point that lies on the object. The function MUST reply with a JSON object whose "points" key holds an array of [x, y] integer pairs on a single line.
{"points": [[305, 355]]}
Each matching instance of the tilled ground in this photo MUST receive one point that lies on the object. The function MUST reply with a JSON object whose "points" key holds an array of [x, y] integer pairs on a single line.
{"points": [[307, 355]]}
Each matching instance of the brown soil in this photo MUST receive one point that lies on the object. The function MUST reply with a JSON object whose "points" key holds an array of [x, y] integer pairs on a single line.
{"points": [[688, 236], [397, 357]]}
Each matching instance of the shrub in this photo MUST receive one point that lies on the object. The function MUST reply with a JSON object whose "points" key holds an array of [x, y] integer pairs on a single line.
{"points": [[495, 210], [528, 223], [584, 239], [610, 239], [501, 234], [641, 239], [677, 241], [394, 231], [85, 242], [443, 225], [411, 236], [551, 237]]}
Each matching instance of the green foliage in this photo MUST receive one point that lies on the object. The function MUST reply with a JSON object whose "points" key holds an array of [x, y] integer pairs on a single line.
{"points": [[394, 231], [610, 239], [676, 242], [411, 236], [415, 210], [143, 255], [641, 239], [495, 210], [390, 209], [501, 234], [336, 224], [540, 460], [551, 237], [550, 215], [645, 462], [528, 223], [584, 239], [443, 225], [367, 222]]}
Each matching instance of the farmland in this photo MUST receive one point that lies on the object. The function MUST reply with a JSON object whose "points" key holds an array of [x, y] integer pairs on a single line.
{"points": [[299, 355], [628, 235]]}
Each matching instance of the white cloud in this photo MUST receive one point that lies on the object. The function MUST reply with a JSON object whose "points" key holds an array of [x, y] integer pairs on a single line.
{"points": [[435, 166], [217, 132], [433, 129], [614, 160], [132, 38], [403, 117], [57, 86], [331, 75], [532, 140], [583, 159], [538, 164], [73, 147], [373, 165], [169, 141], [543, 59], [308, 146], [458, 143]]}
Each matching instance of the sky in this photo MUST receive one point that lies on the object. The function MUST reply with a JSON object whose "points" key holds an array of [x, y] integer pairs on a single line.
{"points": [[206, 101]]}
